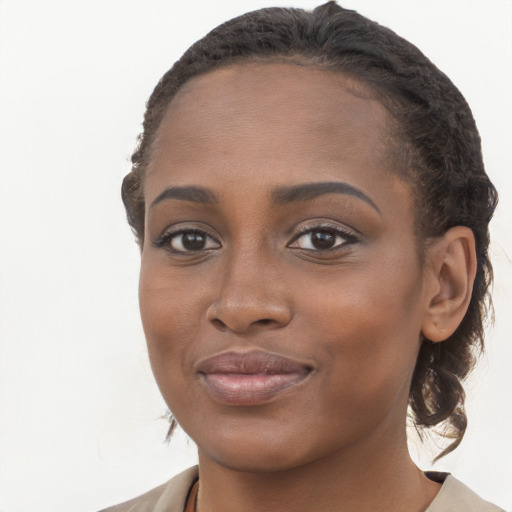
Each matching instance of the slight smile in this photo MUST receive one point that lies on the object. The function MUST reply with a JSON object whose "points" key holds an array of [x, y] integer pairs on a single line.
{"points": [[251, 378]]}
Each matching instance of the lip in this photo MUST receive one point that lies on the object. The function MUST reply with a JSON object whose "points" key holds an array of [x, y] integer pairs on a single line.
{"points": [[250, 378]]}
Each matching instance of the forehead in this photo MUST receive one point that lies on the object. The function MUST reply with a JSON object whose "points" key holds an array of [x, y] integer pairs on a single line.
{"points": [[256, 126], [311, 90], [248, 130], [278, 107]]}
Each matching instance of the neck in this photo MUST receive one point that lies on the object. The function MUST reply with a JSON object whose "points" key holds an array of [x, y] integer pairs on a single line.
{"points": [[350, 480]]}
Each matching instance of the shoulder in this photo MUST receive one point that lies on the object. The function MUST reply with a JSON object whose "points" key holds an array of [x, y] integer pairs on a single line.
{"points": [[168, 497], [454, 496]]}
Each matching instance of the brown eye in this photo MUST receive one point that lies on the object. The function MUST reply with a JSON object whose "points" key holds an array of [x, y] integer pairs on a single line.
{"points": [[322, 239], [191, 241]]}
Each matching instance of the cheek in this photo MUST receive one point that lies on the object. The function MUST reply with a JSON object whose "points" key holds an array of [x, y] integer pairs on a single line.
{"points": [[169, 304], [368, 328], [170, 314]]}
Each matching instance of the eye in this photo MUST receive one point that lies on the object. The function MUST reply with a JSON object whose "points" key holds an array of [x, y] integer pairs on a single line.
{"points": [[188, 241], [322, 239]]}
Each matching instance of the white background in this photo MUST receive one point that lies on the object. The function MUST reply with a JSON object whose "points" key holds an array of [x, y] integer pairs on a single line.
{"points": [[79, 411]]}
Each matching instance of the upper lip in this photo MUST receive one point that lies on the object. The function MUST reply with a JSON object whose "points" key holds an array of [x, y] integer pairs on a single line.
{"points": [[251, 363]]}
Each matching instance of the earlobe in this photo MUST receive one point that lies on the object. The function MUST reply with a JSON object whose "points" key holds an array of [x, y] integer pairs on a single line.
{"points": [[452, 270]]}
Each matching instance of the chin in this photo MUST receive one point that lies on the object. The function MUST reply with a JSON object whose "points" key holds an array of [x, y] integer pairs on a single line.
{"points": [[266, 450], [256, 459]]}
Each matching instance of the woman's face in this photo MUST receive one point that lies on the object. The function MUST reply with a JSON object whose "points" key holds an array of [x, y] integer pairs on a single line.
{"points": [[281, 292]]}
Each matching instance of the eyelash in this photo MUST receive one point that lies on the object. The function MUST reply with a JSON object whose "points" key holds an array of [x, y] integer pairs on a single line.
{"points": [[168, 237], [347, 238]]}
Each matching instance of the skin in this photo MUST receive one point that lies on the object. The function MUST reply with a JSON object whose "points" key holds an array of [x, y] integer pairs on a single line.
{"points": [[353, 313]]}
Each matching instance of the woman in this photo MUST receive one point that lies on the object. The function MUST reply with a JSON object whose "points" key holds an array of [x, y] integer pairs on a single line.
{"points": [[310, 201]]}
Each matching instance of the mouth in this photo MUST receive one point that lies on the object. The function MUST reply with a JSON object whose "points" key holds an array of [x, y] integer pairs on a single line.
{"points": [[251, 378]]}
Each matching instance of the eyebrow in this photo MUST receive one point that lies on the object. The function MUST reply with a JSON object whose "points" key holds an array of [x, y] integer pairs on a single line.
{"points": [[282, 195], [307, 191], [188, 193]]}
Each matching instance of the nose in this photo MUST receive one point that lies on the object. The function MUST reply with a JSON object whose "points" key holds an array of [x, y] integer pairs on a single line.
{"points": [[251, 296]]}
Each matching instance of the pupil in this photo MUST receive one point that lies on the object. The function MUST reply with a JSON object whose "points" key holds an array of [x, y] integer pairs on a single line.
{"points": [[323, 239], [193, 241]]}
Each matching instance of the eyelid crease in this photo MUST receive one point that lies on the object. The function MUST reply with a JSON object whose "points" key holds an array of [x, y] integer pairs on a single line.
{"points": [[169, 233], [348, 235], [326, 225]]}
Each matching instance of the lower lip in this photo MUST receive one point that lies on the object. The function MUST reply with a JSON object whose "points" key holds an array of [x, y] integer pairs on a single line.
{"points": [[250, 389]]}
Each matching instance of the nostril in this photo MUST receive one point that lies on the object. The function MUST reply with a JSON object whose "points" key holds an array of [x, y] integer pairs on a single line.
{"points": [[222, 326], [219, 324], [240, 315]]}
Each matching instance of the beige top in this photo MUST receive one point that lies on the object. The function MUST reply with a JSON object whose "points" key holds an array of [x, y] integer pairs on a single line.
{"points": [[454, 496]]}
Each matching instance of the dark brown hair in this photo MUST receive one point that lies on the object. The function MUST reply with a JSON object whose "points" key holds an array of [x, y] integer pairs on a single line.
{"points": [[436, 148]]}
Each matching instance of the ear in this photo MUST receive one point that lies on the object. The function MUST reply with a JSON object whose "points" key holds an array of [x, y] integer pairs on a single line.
{"points": [[451, 270]]}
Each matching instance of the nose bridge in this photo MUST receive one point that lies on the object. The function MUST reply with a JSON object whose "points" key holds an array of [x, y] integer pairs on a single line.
{"points": [[251, 292]]}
